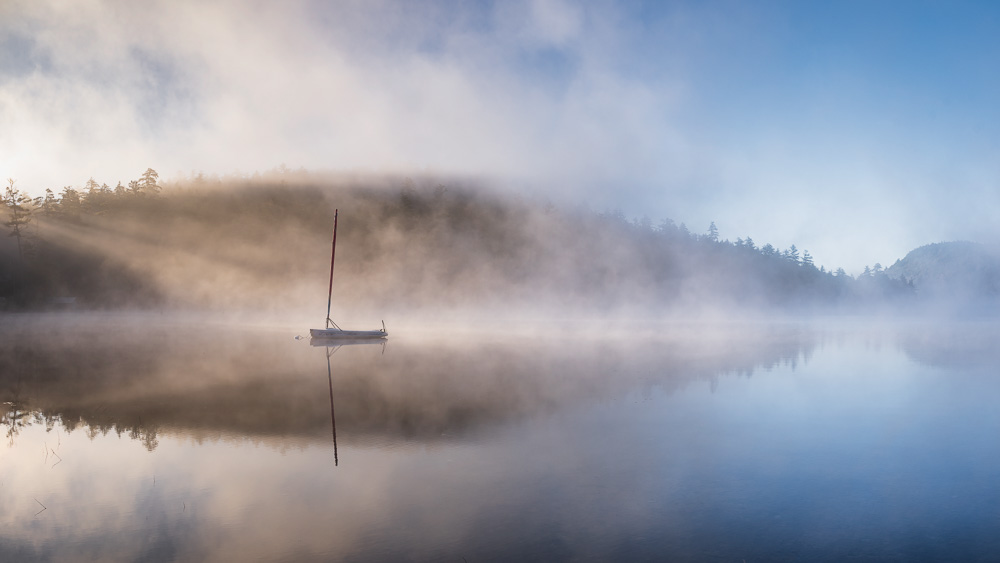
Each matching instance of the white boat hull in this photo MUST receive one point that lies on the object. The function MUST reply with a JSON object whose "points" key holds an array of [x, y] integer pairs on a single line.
{"points": [[337, 334]]}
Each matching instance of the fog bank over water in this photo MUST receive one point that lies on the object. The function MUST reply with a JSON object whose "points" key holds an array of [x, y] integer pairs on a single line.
{"points": [[146, 375], [226, 443], [151, 375], [662, 280], [424, 245]]}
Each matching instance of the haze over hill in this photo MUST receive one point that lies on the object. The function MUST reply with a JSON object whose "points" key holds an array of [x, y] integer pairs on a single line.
{"points": [[958, 272], [433, 243], [858, 131]]}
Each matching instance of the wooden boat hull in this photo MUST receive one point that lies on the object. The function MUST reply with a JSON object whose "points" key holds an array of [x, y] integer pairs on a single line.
{"points": [[337, 334]]}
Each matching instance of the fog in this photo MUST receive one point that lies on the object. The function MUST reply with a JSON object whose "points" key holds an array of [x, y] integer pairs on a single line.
{"points": [[662, 280], [857, 136], [176, 439], [426, 248], [142, 376]]}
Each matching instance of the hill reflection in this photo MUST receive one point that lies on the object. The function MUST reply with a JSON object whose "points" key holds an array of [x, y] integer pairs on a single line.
{"points": [[143, 379], [970, 345]]}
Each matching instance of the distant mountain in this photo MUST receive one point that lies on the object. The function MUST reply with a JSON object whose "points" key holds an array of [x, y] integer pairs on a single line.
{"points": [[960, 270]]}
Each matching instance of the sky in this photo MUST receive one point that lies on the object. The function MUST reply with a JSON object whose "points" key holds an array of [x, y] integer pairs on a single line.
{"points": [[854, 130]]}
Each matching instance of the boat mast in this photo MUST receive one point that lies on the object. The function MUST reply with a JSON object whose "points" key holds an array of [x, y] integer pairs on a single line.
{"points": [[333, 254]]}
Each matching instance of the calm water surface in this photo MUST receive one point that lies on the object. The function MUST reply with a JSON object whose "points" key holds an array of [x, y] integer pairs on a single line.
{"points": [[739, 442]]}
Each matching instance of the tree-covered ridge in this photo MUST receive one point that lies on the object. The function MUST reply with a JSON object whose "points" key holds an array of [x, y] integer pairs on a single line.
{"points": [[961, 272], [260, 243], [744, 274]]}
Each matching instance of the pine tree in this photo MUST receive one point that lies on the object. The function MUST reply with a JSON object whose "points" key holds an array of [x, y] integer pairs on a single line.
{"points": [[50, 205], [147, 182], [792, 254], [69, 202], [21, 208], [95, 199], [713, 232]]}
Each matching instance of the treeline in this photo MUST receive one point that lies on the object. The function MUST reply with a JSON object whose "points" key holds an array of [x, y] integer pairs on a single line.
{"points": [[42, 269], [263, 243]]}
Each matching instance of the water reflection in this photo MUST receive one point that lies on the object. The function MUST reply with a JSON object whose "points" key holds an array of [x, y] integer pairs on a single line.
{"points": [[331, 347], [177, 441], [144, 380], [969, 346]]}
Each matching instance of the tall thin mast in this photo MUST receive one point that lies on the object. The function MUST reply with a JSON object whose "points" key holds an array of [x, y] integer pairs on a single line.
{"points": [[333, 254]]}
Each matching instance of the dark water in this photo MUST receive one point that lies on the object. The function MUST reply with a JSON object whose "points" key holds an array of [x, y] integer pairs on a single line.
{"points": [[738, 442]]}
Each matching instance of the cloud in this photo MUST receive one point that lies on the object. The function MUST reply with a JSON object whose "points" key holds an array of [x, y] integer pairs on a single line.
{"points": [[748, 116], [511, 90]]}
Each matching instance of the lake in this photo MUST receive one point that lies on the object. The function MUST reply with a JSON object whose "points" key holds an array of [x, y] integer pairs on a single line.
{"points": [[178, 440]]}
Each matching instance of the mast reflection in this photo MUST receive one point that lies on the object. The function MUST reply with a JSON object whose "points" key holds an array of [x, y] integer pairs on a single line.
{"points": [[331, 348]]}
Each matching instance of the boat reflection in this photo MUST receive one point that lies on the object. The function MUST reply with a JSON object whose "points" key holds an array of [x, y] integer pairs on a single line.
{"points": [[331, 348], [338, 342], [204, 383]]}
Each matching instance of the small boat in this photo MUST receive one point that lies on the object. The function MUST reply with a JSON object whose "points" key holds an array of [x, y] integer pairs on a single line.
{"points": [[339, 333], [332, 331]]}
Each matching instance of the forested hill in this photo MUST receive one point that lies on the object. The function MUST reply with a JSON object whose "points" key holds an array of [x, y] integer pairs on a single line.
{"points": [[265, 245], [954, 272]]}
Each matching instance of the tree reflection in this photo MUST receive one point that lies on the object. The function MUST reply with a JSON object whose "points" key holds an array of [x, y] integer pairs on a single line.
{"points": [[262, 386], [955, 345], [15, 418]]}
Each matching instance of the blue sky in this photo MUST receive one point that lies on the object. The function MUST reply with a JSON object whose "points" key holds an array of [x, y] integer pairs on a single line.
{"points": [[856, 130]]}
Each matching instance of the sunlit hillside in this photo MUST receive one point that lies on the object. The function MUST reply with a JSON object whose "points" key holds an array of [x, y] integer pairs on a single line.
{"points": [[265, 245]]}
